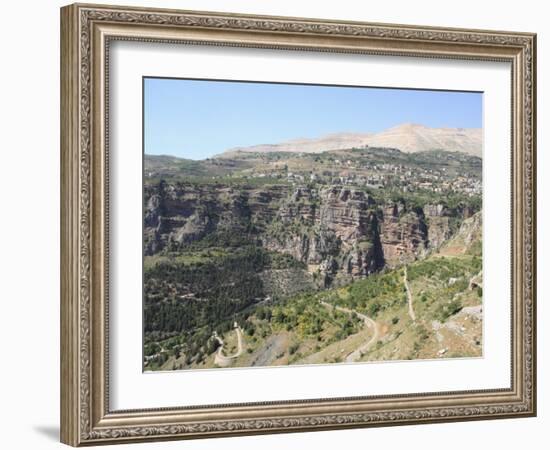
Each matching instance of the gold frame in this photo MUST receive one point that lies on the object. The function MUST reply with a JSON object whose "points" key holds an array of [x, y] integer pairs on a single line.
{"points": [[86, 31]]}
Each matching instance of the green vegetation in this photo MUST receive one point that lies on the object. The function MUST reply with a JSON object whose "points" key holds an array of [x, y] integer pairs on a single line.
{"points": [[188, 296], [313, 328], [306, 318], [220, 235], [181, 294], [447, 310], [372, 295], [442, 269]]}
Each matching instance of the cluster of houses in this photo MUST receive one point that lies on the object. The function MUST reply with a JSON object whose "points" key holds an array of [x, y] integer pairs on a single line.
{"points": [[382, 176], [372, 174]]}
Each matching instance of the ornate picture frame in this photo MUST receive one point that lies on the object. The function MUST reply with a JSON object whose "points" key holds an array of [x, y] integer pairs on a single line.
{"points": [[86, 34]]}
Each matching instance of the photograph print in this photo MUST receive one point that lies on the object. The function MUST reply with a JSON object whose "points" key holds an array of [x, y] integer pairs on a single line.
{"points": [[293, 224]]}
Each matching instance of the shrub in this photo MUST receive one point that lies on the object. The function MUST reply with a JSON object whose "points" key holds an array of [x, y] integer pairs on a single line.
{"points": [[373, 308], [447, 310]]}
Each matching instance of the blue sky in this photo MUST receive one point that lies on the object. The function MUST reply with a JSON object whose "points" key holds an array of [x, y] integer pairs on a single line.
{"points": [[197, 119]]}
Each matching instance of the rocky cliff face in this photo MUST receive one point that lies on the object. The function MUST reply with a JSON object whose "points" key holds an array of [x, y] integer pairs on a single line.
{"points": [[340, 233], [403, 233], [439, 227], [468, 237], [333, 230]]}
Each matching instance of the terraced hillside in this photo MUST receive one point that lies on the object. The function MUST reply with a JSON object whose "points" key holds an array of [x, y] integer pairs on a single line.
{"points": [[367, 320]]}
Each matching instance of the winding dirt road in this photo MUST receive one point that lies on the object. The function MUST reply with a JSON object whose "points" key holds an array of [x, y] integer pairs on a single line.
{"points": [[369, 323], [409, 295], [220, 359]]}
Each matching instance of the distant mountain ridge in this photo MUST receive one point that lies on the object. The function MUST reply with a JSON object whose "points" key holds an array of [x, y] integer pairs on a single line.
{"points": [[409, 138]]}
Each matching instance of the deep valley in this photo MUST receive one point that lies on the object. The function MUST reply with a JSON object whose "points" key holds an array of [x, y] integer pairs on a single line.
{"points": [[264, 258]]}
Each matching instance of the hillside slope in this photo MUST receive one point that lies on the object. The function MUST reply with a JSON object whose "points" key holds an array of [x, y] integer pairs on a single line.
{"points": [[408, 138], [368, 320]]}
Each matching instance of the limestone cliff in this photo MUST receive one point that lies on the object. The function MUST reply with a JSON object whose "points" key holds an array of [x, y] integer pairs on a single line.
{"points": [[338, 232]]}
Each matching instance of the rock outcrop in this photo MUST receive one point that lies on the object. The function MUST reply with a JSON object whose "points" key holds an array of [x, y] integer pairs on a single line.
{"points": [[468, 238], [338, 232], [333, 230], [403, 233], [439, 226]]}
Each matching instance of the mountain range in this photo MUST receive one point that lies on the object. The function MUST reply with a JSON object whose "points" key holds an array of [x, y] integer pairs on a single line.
{"points": [[409, 138]]}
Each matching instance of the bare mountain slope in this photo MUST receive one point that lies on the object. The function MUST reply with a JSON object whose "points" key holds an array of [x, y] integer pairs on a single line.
{"points": [[414, 138], [407, 137], [335, 141]]}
